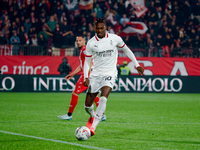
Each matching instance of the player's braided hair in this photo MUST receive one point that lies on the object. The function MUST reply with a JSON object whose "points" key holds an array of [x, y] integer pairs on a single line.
{"points": [[99, 20]]}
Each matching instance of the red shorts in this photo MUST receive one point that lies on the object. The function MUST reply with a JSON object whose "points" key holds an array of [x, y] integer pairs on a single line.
{"points": [[79, 85]]}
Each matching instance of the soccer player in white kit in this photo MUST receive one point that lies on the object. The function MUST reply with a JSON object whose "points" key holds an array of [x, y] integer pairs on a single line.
{"points": [[103, 48]]}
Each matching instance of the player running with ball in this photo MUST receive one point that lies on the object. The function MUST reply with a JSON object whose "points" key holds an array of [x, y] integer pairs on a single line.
{"points": [[103, 48]]}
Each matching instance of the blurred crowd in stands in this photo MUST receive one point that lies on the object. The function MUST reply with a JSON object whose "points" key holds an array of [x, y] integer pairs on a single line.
{"points": [[172, 23]]}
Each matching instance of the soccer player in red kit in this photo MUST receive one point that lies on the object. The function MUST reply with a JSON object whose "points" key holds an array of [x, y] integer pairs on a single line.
{"points": [[79, 88]]}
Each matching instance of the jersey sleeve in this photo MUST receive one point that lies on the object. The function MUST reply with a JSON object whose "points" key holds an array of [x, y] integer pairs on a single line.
{"points": [[88, 51], [120, 42]]}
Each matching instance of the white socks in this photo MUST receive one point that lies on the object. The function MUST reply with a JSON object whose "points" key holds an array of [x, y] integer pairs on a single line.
{"points": [[90, 110], [99, 111]]}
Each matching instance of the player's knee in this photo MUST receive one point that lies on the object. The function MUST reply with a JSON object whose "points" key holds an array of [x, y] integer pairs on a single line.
{"points": [[74, 93], [88, 104], [103, 99], [89, 108]]}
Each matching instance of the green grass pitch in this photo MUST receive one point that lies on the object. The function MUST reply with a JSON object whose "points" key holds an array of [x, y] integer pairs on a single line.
{"points": [[140, 121]]}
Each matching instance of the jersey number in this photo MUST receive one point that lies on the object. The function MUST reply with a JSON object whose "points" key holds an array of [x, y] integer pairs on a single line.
{"points": [[108, 78]]}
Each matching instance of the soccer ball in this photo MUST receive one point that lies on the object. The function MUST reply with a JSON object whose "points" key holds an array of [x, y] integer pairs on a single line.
{"points": [[82, 133]]}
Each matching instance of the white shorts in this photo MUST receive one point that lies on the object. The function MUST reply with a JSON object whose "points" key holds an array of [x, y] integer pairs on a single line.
{"points": [[97, 82]]}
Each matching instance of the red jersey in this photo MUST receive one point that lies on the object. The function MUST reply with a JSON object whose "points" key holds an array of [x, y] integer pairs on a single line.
{"points": [[82, 57]]}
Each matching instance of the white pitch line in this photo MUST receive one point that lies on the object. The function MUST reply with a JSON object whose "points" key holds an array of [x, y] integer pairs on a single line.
{"points": [[58, 141]]}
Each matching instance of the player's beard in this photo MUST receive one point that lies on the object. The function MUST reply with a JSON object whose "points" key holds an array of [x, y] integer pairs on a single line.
{"points": [[101, 35]]}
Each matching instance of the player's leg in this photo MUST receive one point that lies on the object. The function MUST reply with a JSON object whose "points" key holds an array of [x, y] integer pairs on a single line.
{"points": [[73, 103], [90, 97], [105, 91], [97, 104], [89, 107], [79, 88], [92, 92], [107, 83]]}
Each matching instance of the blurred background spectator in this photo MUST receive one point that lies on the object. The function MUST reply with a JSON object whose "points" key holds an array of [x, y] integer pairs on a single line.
{"points": [[124, 69], [3, 39], [64, 68]]}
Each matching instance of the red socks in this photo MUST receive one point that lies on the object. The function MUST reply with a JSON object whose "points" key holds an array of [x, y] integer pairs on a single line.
{"points": [[97, 101], [73, 103]]}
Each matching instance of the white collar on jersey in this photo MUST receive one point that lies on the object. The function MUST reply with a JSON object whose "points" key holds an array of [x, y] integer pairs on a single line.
{"points": [[106, 36]]}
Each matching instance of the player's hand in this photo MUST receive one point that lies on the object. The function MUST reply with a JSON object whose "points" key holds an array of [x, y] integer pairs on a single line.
{"points": [[140, 70], [86, 82], [69, 76]]}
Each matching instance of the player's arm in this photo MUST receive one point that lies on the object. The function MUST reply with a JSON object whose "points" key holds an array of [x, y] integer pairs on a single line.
{"points": [[49, 33], [90, 66], [76, 71], [86, 70], [130, 54], [69, 32]]}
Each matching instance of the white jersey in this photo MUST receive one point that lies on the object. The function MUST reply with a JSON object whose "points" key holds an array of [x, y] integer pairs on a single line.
{"points": [[104, 53]]}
